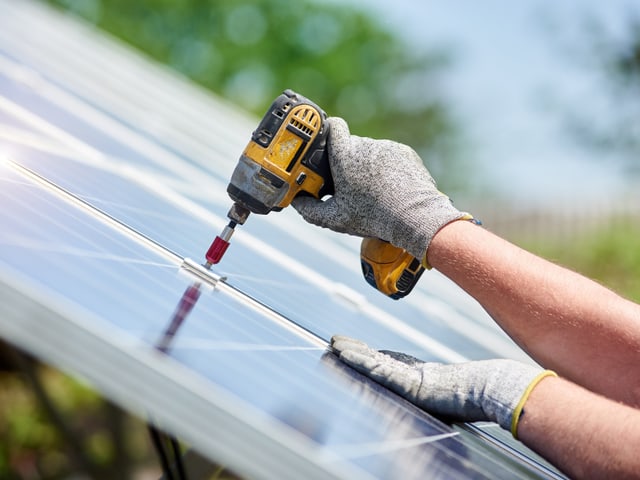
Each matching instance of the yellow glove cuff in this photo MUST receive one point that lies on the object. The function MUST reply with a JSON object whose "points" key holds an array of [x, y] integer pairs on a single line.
{"points": [[525, 396], [466, 216]]}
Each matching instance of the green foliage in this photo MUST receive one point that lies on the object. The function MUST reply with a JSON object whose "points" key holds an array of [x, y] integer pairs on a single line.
{"points": [[610, 255], [25, 431], [249, 51], [61, 427]]}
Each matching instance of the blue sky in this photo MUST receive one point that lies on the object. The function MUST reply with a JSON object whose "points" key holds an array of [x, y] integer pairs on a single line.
{"points": [[508, 69]]}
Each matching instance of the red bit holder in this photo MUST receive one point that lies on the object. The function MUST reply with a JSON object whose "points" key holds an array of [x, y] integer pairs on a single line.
{"points": [[216, 250], [220, 244]]}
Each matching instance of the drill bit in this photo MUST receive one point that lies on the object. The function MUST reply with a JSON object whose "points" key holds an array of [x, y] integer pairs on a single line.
{"points": [[219, 245]]}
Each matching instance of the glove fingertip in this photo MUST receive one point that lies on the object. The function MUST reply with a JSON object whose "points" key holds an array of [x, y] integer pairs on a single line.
{"points": [[342, 343], [338, 125], [339, 139]]}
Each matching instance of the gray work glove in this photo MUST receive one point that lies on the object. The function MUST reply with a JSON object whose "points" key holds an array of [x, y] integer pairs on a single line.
{"points": [[486, 390], [382, 190]]}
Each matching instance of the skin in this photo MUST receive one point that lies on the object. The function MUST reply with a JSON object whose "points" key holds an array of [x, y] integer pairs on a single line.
{"points": [[585, 332], [566, 322], [584, 434]]}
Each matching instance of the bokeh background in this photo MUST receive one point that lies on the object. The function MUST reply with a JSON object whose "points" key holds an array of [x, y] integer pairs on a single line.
{"points": [[525, 112]]}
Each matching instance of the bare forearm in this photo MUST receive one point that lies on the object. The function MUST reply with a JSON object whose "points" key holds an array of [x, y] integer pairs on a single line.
{"points": [[565, 321], [585, 435]]}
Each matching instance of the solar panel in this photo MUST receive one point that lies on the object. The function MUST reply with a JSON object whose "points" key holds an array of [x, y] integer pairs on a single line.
{"points": [[113, 179]]}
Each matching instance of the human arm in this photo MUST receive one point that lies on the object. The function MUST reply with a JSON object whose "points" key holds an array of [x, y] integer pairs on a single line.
{"points": [[564, 321], [568, 323], [583, 434]]}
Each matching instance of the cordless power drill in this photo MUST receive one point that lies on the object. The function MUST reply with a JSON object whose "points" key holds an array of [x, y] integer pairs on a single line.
{"points": [[287, 156]]}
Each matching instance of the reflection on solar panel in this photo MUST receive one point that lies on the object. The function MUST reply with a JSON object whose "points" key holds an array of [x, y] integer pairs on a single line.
{"points": [[113, 173]]}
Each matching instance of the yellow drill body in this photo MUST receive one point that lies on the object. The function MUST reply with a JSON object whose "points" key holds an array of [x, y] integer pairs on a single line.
{"points": [[287, 156]]}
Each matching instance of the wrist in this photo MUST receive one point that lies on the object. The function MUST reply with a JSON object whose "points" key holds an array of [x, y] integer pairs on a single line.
{"points": [[519, 410], [448, 240]]}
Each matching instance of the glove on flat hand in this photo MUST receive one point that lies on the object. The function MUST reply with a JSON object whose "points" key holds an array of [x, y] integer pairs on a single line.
{"points": [[382, 190], [487, 390]]}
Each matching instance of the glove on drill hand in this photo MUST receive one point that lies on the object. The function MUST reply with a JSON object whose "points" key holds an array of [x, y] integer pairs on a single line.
{"points": [[488, 390], [382, 190]]}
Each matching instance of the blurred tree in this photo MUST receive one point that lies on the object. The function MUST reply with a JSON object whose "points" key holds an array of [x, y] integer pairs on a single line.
{"points": [[250, 50], [611, 126]]}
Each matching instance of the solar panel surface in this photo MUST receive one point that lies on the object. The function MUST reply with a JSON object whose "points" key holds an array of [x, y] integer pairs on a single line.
{"points": [[114, 171]]}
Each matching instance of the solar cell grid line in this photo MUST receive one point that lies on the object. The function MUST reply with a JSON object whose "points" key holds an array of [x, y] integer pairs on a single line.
{"points": [[324, 284], [66, 170], [166, 161], [171, 393], [449, 472], [38, 123], [28, 223], [90, 125], [209, 154], [462, 330], [62, 264], [310, 273], [112, 221], [365, 418], [144, 240], [27, 240], [501, 438], [72, 54], [67, 165], [14, 136], [486, 342], [43, 60], [421, 465], [452, 312]]}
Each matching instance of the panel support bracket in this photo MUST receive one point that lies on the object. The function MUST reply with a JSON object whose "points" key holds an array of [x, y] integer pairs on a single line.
{"points": [[204, 274]]}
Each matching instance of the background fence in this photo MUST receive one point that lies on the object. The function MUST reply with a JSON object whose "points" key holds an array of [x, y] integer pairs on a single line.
{"points": [[565, 221]]}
